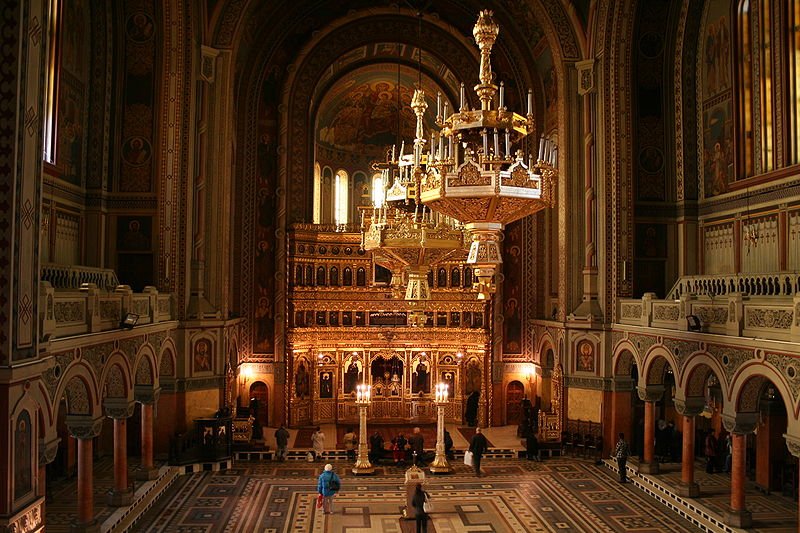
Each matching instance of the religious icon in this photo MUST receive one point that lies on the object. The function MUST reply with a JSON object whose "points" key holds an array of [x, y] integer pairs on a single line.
{"points": [[421, 382], [301, 382], [585, 362], [202, 356], [351, 377], [325, 385]]}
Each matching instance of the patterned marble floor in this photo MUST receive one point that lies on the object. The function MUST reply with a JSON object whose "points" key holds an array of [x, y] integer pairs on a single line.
{"points": [[513, 496]]}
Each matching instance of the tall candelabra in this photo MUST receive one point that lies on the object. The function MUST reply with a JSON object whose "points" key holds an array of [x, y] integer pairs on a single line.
{"points": [[363, 399], [440, 464]]}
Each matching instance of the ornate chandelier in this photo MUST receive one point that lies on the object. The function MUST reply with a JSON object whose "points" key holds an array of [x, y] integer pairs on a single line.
{"points": [[479, 172]]}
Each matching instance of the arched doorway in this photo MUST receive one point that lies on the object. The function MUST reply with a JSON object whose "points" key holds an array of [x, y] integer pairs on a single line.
{"points": [[258, 391], [514, 393]]}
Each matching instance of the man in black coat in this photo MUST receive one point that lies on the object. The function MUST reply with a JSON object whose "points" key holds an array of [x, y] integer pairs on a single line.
{"points": [[417, 443], [478, 445]]}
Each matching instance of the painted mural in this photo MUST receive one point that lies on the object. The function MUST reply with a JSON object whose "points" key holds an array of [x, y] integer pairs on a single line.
{"points": [[136, 149], [715, 93], [23, 475], [264, 257], [73, 77], [512, 289]]}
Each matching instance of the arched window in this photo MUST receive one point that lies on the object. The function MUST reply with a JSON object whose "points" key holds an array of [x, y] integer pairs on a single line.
{"points": [[467, 277], [377, 190], [333, 277], [298, 275], [347, 277], [768, 83], [340, 198], [455, 277], [309, 275], [321, 276], [317, 194], [361, 277], [441, 278]]}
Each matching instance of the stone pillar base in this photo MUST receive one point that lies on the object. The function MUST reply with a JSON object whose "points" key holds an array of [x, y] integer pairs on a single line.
{"points": [[146, 474], [743, 519], [648, 468], [688, 490], [116, 498], [88, 527]]}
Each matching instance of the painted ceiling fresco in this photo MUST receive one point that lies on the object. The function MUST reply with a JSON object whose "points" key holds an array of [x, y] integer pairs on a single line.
{"points": [[359, 113]]}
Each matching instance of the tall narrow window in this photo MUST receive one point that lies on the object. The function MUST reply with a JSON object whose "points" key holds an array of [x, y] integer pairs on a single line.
{"points": [[317, 195], [377, 190], [767, 155], [793, 140], [746, 94], [51, 81], [340, 198]]}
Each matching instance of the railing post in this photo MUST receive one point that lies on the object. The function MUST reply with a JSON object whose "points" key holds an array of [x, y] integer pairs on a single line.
{"points": [[126, 294], [46, 299], [685, 306], [153, 305], [647, 308], [92, 306], [733, 326]]}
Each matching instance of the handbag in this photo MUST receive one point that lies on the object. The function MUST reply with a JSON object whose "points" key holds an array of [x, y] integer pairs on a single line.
{"points": [[427, 506], [310, 457], [319, 501], [468, 458]]}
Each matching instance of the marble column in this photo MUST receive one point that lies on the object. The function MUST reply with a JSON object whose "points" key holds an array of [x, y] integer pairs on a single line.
{"points": [[119, 410], [688, 409], [148, 397], [650, 395], [739, 426], [84, 429]]}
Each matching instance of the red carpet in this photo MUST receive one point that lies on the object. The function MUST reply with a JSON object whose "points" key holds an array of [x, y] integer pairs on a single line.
{"points": [[303, 438], [469, 432]]}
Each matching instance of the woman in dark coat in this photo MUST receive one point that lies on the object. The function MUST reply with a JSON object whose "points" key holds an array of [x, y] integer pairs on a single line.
{"points": [[418, 503]]}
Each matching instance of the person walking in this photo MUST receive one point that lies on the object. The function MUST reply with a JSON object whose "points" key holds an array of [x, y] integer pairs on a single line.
{"points": [[282, 440], [621, 453], [350, 441], [531, 444], [328, 485], [448, 446], [478, 445], [376, 447], [711, 451], [318, 443], [417, 444], [418, 503]]}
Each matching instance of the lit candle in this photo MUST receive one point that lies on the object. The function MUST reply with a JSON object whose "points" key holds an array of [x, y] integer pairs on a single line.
{"points": [[502, 96]]}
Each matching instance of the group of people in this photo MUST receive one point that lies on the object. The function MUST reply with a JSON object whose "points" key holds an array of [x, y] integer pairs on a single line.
{"points": [[718, 452], [402, 449]]}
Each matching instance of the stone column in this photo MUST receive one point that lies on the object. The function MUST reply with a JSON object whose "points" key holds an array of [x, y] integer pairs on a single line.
{"points": [[148, 397], [650, 395], [793, 443], [739, 426], [689, 409], [120, 409], [84, 429]]}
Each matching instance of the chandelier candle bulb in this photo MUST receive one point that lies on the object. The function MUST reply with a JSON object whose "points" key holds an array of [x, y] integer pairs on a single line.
{"points": [[438, 105], [462, 98], [501, 105], [508, 144], [485, 144], [441, 147], [496, 144], [541, 148], [530, 102]]}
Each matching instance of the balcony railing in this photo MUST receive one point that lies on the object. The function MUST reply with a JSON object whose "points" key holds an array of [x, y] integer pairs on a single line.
{"points": [[770, 284], [73, 277], [774, 318], [90, 309]]}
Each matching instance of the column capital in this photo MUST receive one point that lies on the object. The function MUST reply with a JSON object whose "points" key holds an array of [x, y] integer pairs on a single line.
{"points": [[118, 408], [146, 394], [793, 443], [741, 423], [48, 450], [691, 406], [650, 393], [84, 426]]}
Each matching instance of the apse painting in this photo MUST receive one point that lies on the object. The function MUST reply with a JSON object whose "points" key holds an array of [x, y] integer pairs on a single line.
{"points": [[717, 149], [584, 358], [717, 56]]}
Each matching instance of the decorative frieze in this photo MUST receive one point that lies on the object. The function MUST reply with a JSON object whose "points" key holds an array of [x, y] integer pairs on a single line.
{"points": [[666, 312], [631, 311], [711, 314], [681, 349], [69, 311], [729, 357], [759, 317]]}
